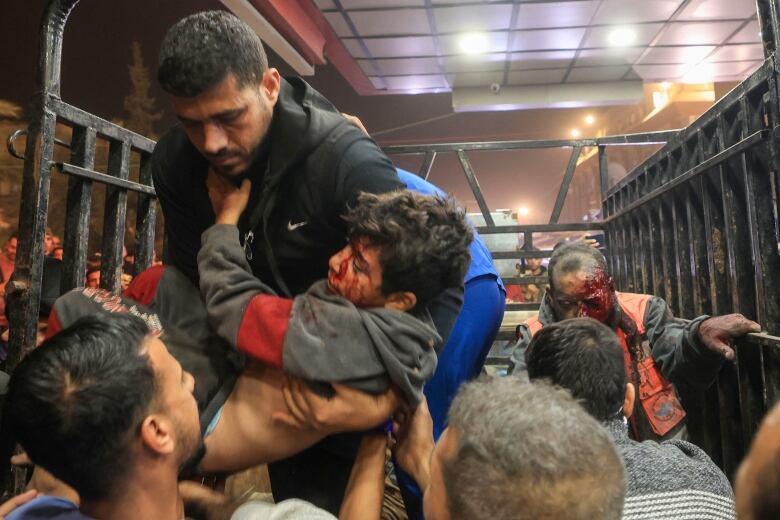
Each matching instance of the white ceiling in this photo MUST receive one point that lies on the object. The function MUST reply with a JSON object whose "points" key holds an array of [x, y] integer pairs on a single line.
{"points": [[412, 46]]}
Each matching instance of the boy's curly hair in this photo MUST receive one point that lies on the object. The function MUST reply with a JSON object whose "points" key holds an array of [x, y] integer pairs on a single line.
{"points": [[423, 240]]}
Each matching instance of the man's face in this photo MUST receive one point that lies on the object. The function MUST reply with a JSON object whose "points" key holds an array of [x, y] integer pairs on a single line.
{"points": [[126, 279], [93, 279], [48, 243], [176, 400], [534, 263], [356, 274], [228, 123], [435, 497], [10, 249], [584, 293]]}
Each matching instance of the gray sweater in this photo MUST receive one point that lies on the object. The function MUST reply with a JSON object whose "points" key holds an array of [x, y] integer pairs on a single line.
{"points": [[671, 480], [328, 339]]}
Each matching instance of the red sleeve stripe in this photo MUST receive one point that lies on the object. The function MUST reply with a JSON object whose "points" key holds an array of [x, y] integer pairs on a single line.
{"points": [[262, 329]]}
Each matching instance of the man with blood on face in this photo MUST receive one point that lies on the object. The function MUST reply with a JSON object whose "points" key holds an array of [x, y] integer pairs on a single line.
{"points": [[664, 357]]}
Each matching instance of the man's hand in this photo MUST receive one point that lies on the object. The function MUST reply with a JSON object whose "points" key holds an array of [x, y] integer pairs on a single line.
{"points": [[202, 502], [347, 410], [356, 121], [414, 443], [228, 201], [14, 502], [718, 332]]}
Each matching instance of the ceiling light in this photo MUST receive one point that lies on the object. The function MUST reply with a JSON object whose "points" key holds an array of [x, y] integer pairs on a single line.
{"points": [[621, 36], [473, 43], [575, 133], [523, 211], [589, 119], [702, 73]]}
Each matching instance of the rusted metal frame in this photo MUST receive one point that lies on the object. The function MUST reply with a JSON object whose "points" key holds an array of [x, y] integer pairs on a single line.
{"points": [[73, 115], [603, 171], [564, 189], [115, 212], [427, 165], [626, 251], [737, 241], [667, 251], [683, 265], [654, 249], [764, 193], [78, 209], [768, 21], [541, 228], [711, 162], [757, 78], [632, 259], [102, 178], [643, 256], [475, 189], [146, 218], [618, 140]]}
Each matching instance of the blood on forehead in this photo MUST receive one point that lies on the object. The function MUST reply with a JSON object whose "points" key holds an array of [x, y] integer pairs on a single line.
{"points": [[595, 296]]}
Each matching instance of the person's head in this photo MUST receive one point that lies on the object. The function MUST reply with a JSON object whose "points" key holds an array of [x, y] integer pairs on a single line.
{"points": [[10, 247], [48, 242], [215, 69], [405, 248], [125, 280], [56, 241], [522, 451], [102, 404], [57, 253], [584, 357], [580, 285], [758, 478], [93, 277]]}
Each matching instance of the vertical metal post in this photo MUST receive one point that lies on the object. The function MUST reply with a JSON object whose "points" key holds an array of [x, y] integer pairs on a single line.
{"points": [[475, 189], [114, 225], [146, 218]]}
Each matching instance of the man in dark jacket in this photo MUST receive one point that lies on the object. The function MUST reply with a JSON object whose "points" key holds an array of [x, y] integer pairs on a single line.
{"points": [[659, 350], [307, 164]]}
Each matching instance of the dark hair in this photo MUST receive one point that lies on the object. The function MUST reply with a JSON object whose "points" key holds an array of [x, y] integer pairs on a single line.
{"points": [[572, 257], [583, 356], [199, 52], [528, 451], [423, 240], [75, 402], [12, 236]]}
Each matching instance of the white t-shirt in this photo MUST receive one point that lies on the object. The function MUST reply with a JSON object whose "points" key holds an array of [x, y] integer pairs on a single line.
{"points": [[292, 509]]}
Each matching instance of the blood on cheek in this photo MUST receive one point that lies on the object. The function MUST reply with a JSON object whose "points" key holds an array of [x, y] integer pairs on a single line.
{"points": [[596, 297]]}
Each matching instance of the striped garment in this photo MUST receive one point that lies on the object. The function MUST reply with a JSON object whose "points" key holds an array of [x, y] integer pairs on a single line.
{"points": [[671, 480]]}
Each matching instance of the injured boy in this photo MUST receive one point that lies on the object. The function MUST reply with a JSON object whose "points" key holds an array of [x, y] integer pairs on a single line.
{"points": [[352, 329]]}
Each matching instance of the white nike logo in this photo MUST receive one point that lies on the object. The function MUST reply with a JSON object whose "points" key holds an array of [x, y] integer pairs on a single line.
{"points": [[293, 227]]}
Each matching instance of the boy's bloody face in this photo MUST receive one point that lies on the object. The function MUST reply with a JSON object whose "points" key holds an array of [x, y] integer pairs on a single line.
{"points": [[584, 294], [356, 274]]}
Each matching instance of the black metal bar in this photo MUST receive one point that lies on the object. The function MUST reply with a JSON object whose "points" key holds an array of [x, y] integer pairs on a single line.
{"points": [[541, 228], [523, 280], [740, 147], [564, 189], [146, 217], [768, 21], [617, 140], [114, 223], [603, 171], [427, 165], [511, 307], [475, 189], [117, 182], [69, 113], [79, 206]]}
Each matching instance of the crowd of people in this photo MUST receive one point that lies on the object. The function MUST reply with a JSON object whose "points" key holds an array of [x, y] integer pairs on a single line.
{"points": [[318, 309]]}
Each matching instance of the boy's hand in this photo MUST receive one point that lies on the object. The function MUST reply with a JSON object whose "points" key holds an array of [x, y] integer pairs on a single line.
{"points": [[14, 502], [228, 201], [413, 432], [347, 410]]}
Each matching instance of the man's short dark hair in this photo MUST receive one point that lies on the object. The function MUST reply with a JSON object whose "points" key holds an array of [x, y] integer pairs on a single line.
{"points": [[572, 257], [199, 52], [75, 403], [583, 356], [528, 451], [423, 240]]}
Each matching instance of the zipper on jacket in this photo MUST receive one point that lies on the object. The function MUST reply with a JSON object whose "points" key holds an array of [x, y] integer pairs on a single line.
{"points": [[249, 237]]}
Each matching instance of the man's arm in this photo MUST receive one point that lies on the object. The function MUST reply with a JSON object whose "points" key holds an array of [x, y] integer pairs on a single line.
{"points": [[690, 353], [366, 487], [243, 310]]}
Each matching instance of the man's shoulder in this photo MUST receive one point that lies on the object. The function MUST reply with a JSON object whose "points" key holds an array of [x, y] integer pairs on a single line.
{"points": [[174, 148]]}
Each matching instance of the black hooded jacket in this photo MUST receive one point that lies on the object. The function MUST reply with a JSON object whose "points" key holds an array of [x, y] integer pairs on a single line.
{"points": [[314, 167]]}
